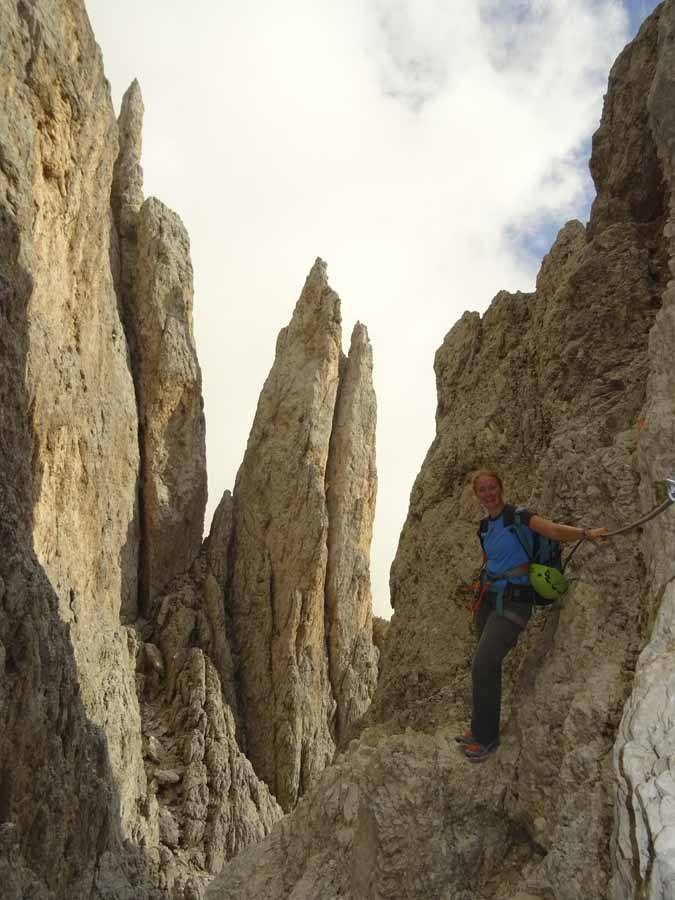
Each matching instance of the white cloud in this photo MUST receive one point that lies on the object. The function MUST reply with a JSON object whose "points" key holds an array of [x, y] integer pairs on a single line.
{"points": [[420, 46], [401, 140]]}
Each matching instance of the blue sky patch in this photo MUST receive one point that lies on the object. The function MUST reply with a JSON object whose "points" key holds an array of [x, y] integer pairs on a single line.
{"points": [[638, 10], [532, 240]]}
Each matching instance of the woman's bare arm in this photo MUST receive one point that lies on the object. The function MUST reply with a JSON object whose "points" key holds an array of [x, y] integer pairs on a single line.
{"points": [[557, 532]]}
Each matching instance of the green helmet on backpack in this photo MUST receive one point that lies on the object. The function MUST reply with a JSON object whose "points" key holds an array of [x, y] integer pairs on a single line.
{"points": [[548, 582]]}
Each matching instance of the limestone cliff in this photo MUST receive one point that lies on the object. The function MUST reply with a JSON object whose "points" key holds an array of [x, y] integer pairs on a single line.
{"points": [[569, 392], [204, 801], [126, 200], [120, 773], [70, 748]]}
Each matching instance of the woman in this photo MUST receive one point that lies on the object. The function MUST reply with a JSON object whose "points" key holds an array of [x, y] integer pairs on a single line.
{"points": [[498, 629]]}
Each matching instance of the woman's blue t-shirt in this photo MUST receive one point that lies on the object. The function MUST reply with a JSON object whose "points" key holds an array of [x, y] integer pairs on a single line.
{"points": [[503, 549]]}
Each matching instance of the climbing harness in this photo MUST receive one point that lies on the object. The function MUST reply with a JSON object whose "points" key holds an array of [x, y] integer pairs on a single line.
{"points": [[486, 585]]}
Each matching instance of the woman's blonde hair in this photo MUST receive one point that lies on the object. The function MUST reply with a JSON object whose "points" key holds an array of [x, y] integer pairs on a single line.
{"points": [[486, 473]]}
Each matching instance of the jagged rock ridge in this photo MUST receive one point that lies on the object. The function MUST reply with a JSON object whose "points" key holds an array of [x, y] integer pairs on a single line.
{"points": [[569, 392]]}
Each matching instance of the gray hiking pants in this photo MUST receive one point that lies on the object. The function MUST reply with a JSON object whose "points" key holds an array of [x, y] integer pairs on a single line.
{"points": [[496, 636]]}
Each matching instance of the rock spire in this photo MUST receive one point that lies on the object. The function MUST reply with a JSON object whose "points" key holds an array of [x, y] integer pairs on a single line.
{"points": [[351, 488], [286, 537], [168, 379], [155, 286]]}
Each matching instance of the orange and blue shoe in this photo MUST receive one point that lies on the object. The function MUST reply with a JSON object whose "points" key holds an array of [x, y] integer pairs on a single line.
{"points": [[479, 752], [466, 738]]}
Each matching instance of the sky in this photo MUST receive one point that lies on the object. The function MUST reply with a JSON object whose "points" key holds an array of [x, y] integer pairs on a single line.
{"points": [[429, 151]]}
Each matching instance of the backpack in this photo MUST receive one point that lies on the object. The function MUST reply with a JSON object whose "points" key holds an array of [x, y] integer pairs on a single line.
{"points": [[539, 549]]}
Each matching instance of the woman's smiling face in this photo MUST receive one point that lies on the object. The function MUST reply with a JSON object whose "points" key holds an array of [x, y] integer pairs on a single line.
{"points": [[489, 493]]}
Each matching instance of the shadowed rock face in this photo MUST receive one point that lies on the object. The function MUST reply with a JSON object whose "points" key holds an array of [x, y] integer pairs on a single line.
{"points": [[205, 803], [379, 825], [569, 393], [127, 198], [299, 589]]}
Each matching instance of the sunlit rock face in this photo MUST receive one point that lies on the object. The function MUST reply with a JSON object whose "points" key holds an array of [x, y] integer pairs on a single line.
{"points": [[569, 393], [70, 748], [299, 588]]}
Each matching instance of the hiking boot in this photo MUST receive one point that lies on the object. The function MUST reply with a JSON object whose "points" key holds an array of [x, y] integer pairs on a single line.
{"points": [[466, 738], [480, 752]]}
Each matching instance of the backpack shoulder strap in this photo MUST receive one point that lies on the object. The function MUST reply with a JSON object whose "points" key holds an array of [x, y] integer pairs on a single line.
{"points": [[509, 515], [482, 530], [522, 532]]}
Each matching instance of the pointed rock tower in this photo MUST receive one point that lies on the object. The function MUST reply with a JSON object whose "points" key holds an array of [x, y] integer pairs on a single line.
{"points": [[155, 287], [351, 488], [286, 538]]}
